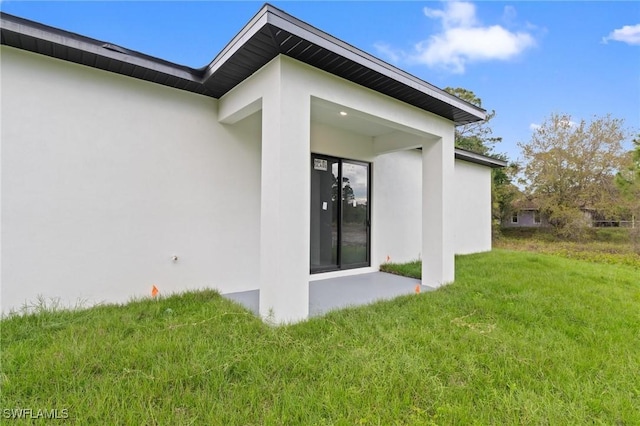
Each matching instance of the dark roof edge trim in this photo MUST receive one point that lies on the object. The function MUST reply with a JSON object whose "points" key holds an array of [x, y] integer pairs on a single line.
{"points": [[484, 160], [249, 30], [99, 48], [268, 15], [293, 25]]}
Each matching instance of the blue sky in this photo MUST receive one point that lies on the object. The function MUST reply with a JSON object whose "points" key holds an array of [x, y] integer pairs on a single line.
{"points": [[525, 60]]}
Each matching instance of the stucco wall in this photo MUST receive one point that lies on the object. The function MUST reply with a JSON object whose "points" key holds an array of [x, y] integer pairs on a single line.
{"points": [[472, 208], [340, 143], [398, 205], [105, 178]]}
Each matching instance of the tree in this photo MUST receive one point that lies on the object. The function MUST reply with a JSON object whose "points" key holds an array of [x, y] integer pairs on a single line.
{"points": [[569, 169], [476, 137], [628, 181], [503, 191]]}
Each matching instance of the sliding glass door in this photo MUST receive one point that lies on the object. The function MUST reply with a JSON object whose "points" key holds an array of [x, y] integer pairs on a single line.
{"points": [[340, 217], [324, 213]]}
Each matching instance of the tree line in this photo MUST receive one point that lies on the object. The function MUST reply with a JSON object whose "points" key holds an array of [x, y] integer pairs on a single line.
{"points": [[568, 168]]}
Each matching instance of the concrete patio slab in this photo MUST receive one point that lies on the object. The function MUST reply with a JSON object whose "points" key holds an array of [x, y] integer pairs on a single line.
{"points": [[337, 293]]}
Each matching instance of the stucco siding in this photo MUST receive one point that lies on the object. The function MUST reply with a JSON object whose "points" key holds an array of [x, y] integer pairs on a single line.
{"points": [[340, 143], [472, 208], [105, 178], [397, 205]]}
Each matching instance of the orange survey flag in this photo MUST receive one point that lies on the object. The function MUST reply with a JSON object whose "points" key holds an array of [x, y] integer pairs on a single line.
{"points": [[154, 291]]}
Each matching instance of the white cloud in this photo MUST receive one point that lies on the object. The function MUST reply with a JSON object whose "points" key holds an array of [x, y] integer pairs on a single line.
{"points": [[459, 46], [629, 34], [533, 127], [462, 40], [456, 14]]}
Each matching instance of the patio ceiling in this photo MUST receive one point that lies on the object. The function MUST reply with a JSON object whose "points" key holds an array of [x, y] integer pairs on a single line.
{"points": [[269, 33], [329, 113]]}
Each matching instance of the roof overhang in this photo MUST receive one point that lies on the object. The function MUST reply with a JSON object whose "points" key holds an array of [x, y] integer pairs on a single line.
{"points": [[473, 157], [38, 38], [271, 32]]}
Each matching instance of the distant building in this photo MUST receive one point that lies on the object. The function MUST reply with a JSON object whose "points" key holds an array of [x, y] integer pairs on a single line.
{"points": [[525, 213]]}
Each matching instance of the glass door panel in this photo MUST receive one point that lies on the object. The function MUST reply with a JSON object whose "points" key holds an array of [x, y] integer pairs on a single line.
{"points": [[324, 213], [355, 215]]}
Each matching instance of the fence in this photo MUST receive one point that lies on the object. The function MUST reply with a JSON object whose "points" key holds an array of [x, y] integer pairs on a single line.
{"points": [[615, 223]]}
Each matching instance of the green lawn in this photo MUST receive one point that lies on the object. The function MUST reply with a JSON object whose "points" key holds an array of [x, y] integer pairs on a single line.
{"points": [[615, 246], [520, 338]]}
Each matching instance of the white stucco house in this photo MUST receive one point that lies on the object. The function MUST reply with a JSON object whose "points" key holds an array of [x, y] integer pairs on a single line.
{"points": [[291, 157]]}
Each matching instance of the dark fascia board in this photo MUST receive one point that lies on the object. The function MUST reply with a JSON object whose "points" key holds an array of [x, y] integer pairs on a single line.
{"points": [[243, 37], [473, 157], [29, 35], [54, 36], [270, 15], [293, 25]]}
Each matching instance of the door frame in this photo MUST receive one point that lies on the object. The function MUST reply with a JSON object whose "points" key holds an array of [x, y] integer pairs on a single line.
{"points": [[339, 266]]}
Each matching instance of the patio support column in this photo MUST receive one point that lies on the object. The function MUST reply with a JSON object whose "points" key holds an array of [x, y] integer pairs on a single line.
{"points": [[438, 259], [285, 200]]}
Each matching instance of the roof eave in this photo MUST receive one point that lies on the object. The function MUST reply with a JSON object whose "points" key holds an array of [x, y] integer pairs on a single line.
{"points": [[294, 25], [259, 33], [70, 40], [474, 157]]}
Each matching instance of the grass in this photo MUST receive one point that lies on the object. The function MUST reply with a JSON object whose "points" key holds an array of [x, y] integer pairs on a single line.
{"points": [[410, 269], [520, 338], [601, 245]]}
